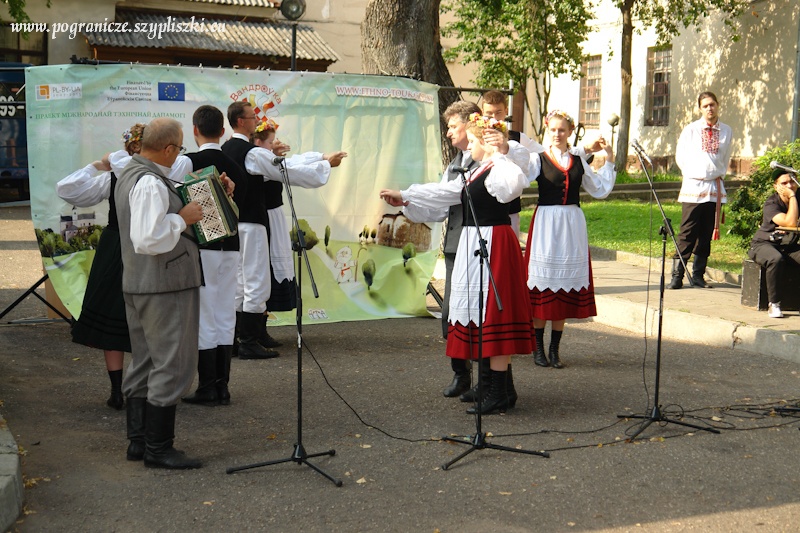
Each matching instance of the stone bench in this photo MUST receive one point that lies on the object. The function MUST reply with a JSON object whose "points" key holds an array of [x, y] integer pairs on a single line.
{"points": [[754, 286]]}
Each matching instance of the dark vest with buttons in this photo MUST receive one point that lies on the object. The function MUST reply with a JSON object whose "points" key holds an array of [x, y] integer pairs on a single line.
{"points": [[251, 209], [558, 186], [515, 205], [224, 163], [455, 215], [488, 209]]}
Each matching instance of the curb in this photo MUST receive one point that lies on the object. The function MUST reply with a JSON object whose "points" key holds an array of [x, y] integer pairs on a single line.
{"points": [[11, 490]]}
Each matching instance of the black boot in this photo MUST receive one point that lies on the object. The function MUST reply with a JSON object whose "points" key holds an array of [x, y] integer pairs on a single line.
{"points": [[512, 392], [699, 271], [471, 396], [159, 436], [677, 275], [555, 341], [249, 348], [116, 400], [223, 373], [264, 338], [538, 356], [461, 378], [136, 428], [496, 400], [206, 393], [236, 333]]}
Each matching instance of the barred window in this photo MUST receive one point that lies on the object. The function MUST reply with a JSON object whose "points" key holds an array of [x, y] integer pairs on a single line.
{"points": [[15, 48], [590, 92], [659, 66]]}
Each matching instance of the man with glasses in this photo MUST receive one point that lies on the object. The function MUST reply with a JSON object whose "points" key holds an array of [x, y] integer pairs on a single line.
{"points": [[772, 247], [160, 284]]}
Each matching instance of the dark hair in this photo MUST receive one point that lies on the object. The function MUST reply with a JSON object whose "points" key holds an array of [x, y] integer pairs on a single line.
{"points": [[707, 94], [236, 111], [495, 97], [462, 109], [209, 121], [133, 142]]}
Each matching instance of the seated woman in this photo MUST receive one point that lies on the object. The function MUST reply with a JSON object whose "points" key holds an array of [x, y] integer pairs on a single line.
{"points": [[769, 247], [491, 186]]}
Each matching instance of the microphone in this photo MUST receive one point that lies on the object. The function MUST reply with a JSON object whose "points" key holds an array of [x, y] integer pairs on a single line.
{"points": [[278, 160], [640, 151], [775, 164], [460, 170]]}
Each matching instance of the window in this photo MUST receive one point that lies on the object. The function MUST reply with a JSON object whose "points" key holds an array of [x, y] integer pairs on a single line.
{"points": [[16, 49], [590, 92], [659, 66]]}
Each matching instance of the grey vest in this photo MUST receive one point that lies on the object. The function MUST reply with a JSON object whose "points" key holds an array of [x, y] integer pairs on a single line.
{"points": [[455, 216], [176, 270]]}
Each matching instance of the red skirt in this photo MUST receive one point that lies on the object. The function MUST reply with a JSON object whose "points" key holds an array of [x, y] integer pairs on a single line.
{"points": [[560, 305], [505, 332]]}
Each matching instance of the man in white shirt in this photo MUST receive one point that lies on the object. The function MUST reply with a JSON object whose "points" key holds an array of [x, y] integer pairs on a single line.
{"points": [[703, 155]]}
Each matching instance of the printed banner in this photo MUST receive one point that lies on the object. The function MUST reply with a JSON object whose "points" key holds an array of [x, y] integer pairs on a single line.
{"points": [[367, 259]]}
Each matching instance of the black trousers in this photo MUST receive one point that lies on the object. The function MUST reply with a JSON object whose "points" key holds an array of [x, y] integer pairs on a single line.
{"points": [[697, 229], [773, 258]]}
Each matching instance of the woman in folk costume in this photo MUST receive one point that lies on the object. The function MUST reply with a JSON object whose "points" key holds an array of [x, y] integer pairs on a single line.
{"points": [[102, 323], [492, 185], [557, 253]]}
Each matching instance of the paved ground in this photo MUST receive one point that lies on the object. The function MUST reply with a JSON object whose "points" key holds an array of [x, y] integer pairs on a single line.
{"points": [[389, 455]]}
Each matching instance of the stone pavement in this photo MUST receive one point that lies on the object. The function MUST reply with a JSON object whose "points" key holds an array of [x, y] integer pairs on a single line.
{"points": [[627, 289]]}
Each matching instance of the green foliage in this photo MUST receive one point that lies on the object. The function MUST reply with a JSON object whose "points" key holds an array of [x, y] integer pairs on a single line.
{"points": [[746, 205], [16, 10], [327, 236], [409, 251], [52, 244], [670, 17], [520, 40], [369, 270], [310, 236]]}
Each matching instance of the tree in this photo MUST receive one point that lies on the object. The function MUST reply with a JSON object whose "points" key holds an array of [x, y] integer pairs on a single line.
{"points": [[369, 270], [401, 38], [520, 40], [309, 235], [16, 10], [668, 18], [409, 251]]}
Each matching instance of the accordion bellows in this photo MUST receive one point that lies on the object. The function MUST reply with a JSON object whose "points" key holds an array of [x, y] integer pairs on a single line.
{"points": [[220, 213]]}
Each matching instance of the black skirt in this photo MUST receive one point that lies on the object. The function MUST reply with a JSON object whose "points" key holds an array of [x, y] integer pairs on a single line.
{"points": [[102, 323]]}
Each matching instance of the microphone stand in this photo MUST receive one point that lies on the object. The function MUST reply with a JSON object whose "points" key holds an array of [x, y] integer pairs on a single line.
{"points": [[299, 454], [478, 440], [655, 415]]}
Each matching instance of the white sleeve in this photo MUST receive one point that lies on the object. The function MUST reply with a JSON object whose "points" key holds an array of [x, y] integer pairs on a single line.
{"points": [[599, 184], [85, 187], [530, 145], [416, 213], [182, 166], [520, 156], [505, 181], [306, 170], [119, 160], [434, 196], [153, 230]]}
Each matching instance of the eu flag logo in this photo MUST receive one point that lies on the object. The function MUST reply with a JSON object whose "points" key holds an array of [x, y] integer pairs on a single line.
{"points": [[172, 91]]}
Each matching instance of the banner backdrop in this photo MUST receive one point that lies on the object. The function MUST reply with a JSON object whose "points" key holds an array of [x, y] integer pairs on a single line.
{"points": [[368, 260]]}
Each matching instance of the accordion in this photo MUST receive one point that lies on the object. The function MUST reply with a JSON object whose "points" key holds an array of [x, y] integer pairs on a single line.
{"points": [[220, 213]]}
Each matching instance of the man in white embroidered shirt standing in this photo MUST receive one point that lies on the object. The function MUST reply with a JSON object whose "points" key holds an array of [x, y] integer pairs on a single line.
{"points": [[703, 155]]}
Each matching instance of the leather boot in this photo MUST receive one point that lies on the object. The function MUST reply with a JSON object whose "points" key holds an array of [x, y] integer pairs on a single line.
{"points": [[555, 362], [699, 271], [459, 385], [538, 355], [136, 428], [677, 275], [159, 436], [116, 400], [249, 348], [512, 392], [496, 400], [223, 373], [206, 393], [236, 333], [471, 396], [264, 338]]}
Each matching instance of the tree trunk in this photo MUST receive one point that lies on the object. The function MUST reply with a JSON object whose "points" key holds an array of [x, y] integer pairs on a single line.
{"points": [[401, 38], [621, 160]]}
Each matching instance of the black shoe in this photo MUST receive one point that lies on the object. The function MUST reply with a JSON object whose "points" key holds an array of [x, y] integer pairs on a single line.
{"points": [[204, 396], [206, 393], [250, 327], [255, 351], [116, 400], [459, 386], [223, 373], [539, 357], [136, 428], [159, 436], [510, 390], [471, 396], [555, 362], [677, 275], [496, 400]]}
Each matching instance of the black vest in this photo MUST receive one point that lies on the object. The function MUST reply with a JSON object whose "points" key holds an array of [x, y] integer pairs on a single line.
{"points": [[235, 172], [455, 215], [515, 205], [112, 205], [251, 209], [557, 186], [488, 209]]}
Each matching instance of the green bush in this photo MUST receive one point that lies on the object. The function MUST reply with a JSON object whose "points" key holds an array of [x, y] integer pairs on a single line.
{"points": [[745, 208]]}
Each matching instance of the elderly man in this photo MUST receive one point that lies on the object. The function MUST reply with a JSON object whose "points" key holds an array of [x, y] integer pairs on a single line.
{"points": [[160, 282]]}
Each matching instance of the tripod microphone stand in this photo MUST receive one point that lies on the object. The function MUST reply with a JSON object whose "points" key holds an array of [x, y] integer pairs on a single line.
{"points": [[656, 415], [478, 440], [299, 454]]}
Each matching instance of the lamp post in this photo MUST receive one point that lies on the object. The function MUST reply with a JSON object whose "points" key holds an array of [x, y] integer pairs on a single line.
{"points": [[293, 10], [613, 121]]}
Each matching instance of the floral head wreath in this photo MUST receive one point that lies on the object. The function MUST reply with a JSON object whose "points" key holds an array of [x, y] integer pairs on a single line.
{"points": [[560, 114], [487, 122], [267, 124], [131, 137]]}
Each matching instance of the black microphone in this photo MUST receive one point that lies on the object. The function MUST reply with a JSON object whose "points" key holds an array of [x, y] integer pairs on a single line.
{"points": [[460, 170], [640, 151], [775, 164], [278, 160]]}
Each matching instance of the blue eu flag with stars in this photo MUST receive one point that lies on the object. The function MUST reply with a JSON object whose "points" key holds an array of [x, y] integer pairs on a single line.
{"points": [[171, 91]]}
